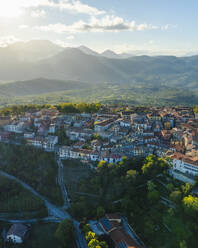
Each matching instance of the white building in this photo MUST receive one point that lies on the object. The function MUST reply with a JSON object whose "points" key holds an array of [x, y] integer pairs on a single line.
{"points": [[28, 135], [185, 164], [17, 233], [14, 127], [103, 125], [66, 152], [52, 128], [125, 123], [49, 143]]}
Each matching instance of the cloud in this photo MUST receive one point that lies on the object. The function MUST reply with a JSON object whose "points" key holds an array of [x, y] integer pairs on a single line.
{"points": [[79, 7], [71, 37], [38, 13], [168, 26], [75, 6], [146, 26], [105, 24], [7, 40], [23, 26]]}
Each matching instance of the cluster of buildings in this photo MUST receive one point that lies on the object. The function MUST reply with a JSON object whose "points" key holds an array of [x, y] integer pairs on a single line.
{"points": [[35, 128], [118, 231], [111, 134], [112, 226]]}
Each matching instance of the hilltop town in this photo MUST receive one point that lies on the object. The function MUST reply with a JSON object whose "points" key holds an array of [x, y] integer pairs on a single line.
{"points": [[163, 140], [110, 134]]}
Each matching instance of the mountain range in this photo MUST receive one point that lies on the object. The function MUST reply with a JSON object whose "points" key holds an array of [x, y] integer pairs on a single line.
{"points": [[41, 67]]}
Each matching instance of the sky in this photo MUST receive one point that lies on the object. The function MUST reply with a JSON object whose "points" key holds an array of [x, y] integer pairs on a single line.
{"points": [[168, 27]]}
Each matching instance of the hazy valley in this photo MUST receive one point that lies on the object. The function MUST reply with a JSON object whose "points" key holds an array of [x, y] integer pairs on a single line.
{"points": [[60, 74]]}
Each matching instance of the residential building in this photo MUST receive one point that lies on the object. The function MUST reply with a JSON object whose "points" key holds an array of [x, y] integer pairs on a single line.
{"points": [[17, 233]]}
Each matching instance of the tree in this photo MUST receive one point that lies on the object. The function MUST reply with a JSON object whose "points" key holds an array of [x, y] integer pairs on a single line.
{"points": [[94, 243], [96, 136], [102, 164], [191, 205], [1, 243], [176, 196], [64, 233], [186, 188], [86, 228], [103, 244], [124, 158], [170, 187], [153, 196], [100, 212], [90, 235], [131, 175], [183, 244], [153, 165], [151, 186], [149, 227]]}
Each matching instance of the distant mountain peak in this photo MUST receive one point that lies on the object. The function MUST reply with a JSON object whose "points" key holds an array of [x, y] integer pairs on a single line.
{"points": [[108, 51], [87, 50], [110, 54]]}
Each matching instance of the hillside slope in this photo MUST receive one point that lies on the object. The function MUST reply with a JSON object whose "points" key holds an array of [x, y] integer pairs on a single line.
{"points": [[38, 87]]}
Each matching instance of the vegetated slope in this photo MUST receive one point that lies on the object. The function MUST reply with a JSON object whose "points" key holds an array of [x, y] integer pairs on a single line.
{"points": [[73, 64], [138, 79], [76, 65], [38, 87]]}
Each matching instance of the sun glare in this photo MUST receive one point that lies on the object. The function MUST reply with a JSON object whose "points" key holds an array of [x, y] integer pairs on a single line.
{"points": [[10, 9]]}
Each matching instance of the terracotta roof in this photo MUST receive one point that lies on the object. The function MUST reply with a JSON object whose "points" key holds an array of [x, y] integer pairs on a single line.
{"points": [[120, 237], [185, 158]]}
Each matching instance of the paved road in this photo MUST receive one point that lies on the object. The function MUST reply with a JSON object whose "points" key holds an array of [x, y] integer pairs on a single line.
{"points": [[53, 210], [58, 214], [80, 239], [31, 221]]}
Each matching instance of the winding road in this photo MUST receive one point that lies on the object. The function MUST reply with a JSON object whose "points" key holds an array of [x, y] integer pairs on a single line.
{"points": [[57, 214], [53, 210]]}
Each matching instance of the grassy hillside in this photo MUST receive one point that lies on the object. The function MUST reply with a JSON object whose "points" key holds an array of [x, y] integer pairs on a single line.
{"points": [[145, 94], [38, 87]]}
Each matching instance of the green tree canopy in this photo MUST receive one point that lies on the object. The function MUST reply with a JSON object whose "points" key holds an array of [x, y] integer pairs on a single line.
{"points": [[176, 196], [191, 205], [100, 212], [65, 233]]}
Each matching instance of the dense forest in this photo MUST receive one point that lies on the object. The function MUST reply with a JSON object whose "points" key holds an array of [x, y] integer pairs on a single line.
{"points": [[34, 167], [163, 211], [14, 198]]}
